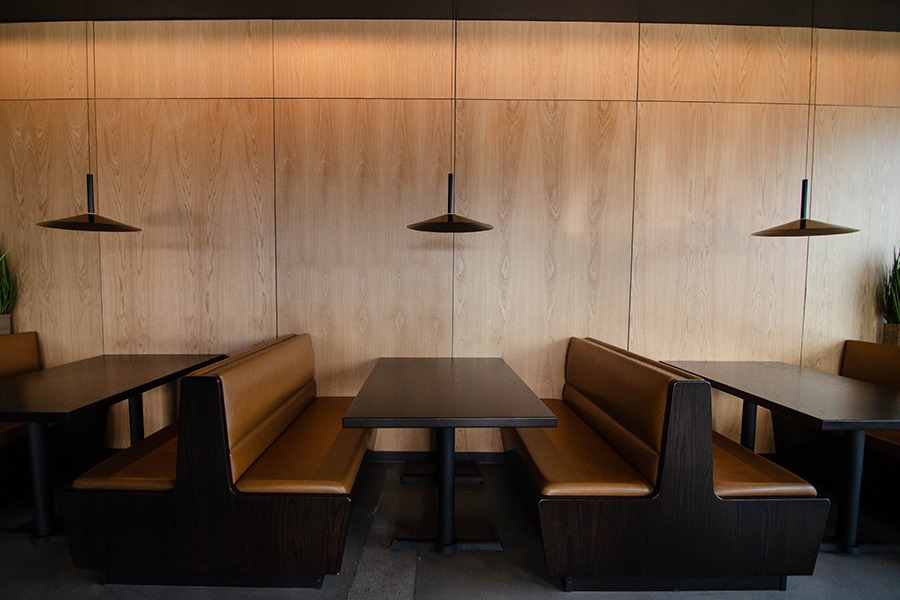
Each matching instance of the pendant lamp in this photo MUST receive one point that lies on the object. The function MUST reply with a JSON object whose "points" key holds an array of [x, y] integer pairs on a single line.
{"points": [[450, 222], [804, 226], [89, 221]]}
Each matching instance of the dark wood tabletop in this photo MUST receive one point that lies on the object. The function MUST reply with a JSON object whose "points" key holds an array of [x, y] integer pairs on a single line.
{"points": [[446, 392], [815, 398], [57, 393]]}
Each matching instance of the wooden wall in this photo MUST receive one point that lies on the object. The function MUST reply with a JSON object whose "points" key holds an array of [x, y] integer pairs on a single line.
{"points": [[274, 165]]}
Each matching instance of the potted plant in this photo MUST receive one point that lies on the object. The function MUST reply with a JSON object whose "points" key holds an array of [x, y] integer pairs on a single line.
{"points": [[8, 291], [889, 300]]}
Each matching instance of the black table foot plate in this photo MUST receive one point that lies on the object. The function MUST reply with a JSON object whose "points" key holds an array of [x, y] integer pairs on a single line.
{"points": [[458, 545]]}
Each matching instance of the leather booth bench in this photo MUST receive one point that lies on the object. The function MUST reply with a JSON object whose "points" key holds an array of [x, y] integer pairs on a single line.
{"points": [[634, 490], [71, 447], [875, 363], [252, 486], [19, 353]]}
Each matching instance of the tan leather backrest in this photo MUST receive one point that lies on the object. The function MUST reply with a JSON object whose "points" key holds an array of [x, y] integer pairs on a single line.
{"points": [[263, 391], [622, 398], [875, 363], [19, 353]]}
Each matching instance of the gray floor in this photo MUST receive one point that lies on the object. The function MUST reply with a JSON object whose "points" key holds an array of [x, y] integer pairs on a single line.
{"points": [[371, 571]]}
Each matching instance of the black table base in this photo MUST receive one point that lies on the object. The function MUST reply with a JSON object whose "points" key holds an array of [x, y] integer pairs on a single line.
{"points": [[446, 541]]}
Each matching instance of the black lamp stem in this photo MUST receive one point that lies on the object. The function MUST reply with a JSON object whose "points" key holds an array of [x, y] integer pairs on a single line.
{"points": [[804, 200], [90, 193], [450, 194]]}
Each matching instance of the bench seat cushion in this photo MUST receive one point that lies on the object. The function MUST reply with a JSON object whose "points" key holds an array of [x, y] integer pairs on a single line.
{"points": [[740, 473], [148, 465], [314, 455], [573, 460]]}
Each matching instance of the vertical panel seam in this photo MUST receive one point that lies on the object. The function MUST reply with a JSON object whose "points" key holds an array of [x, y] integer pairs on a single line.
{"points": [[637, 95], [810, 158], [275, 306]]}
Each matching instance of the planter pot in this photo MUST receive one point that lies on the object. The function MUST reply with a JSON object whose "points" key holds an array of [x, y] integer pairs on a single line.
{"points": [[5, 324], [891, 334]]}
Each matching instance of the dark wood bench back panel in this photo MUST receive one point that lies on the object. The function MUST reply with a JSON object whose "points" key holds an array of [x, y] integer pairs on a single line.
{"points": [[263, 392], [875, 363], [623, 399]]}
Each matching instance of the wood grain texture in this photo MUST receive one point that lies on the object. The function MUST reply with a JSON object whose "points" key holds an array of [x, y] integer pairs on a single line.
{"points": [[42, 170], [351, 175], [855, 183], [707, 176], [196, 176], [555, 180], [363, 59], [860, 68], [184, 59], [529, 60], [43, 60], [721, 63]]}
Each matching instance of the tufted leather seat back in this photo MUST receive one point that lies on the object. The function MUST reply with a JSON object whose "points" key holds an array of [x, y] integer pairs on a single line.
{"points": [[875, 363], [264, 390], [621, 398], [20, 353]]}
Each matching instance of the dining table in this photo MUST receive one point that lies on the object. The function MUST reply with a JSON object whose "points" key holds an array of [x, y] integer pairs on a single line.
{"points": [[444, 394], [62, 393], [819, 400]]}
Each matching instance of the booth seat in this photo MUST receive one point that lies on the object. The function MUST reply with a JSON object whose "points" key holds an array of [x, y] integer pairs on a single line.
{"points": [[634, 490], [252, 486]]}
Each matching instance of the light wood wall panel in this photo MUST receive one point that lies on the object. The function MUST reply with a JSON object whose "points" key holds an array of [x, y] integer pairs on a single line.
{"points": [[860, 68], [43, 60], [351, 175], [555, 179], [719, 63], [197, 177], [703, 288], [42, 170], [363, 59], [856, 178], [529, 60], [184, 59]]}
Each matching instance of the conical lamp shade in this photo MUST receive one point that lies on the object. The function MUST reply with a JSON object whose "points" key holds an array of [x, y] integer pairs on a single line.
{"points": [[450, 222], [89, 221], [804, 227]]}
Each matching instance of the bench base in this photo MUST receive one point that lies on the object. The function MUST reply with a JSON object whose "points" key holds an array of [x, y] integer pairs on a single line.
{"points": [[661, 584], [220, 579]]}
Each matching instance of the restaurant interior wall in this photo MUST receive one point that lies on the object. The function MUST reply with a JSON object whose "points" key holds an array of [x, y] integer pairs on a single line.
{"points": [[273, 166]]}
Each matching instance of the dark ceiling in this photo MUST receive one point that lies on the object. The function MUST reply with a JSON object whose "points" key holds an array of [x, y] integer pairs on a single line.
{"points": [[881, 15]]}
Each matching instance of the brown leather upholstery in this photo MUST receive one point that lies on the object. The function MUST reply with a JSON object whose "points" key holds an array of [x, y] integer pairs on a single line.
{"points": [[19, 353], [594, 451], [263, 391], [314, 455], [740, 473], [572, 460], [148, 465], [622, 399], [875, 363]]}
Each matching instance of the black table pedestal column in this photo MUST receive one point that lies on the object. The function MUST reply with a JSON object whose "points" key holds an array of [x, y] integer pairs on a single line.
{"points": [[446, 541]]}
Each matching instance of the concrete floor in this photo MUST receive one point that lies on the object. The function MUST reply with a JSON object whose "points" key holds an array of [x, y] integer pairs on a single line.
{"points": [[44, 570]]}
